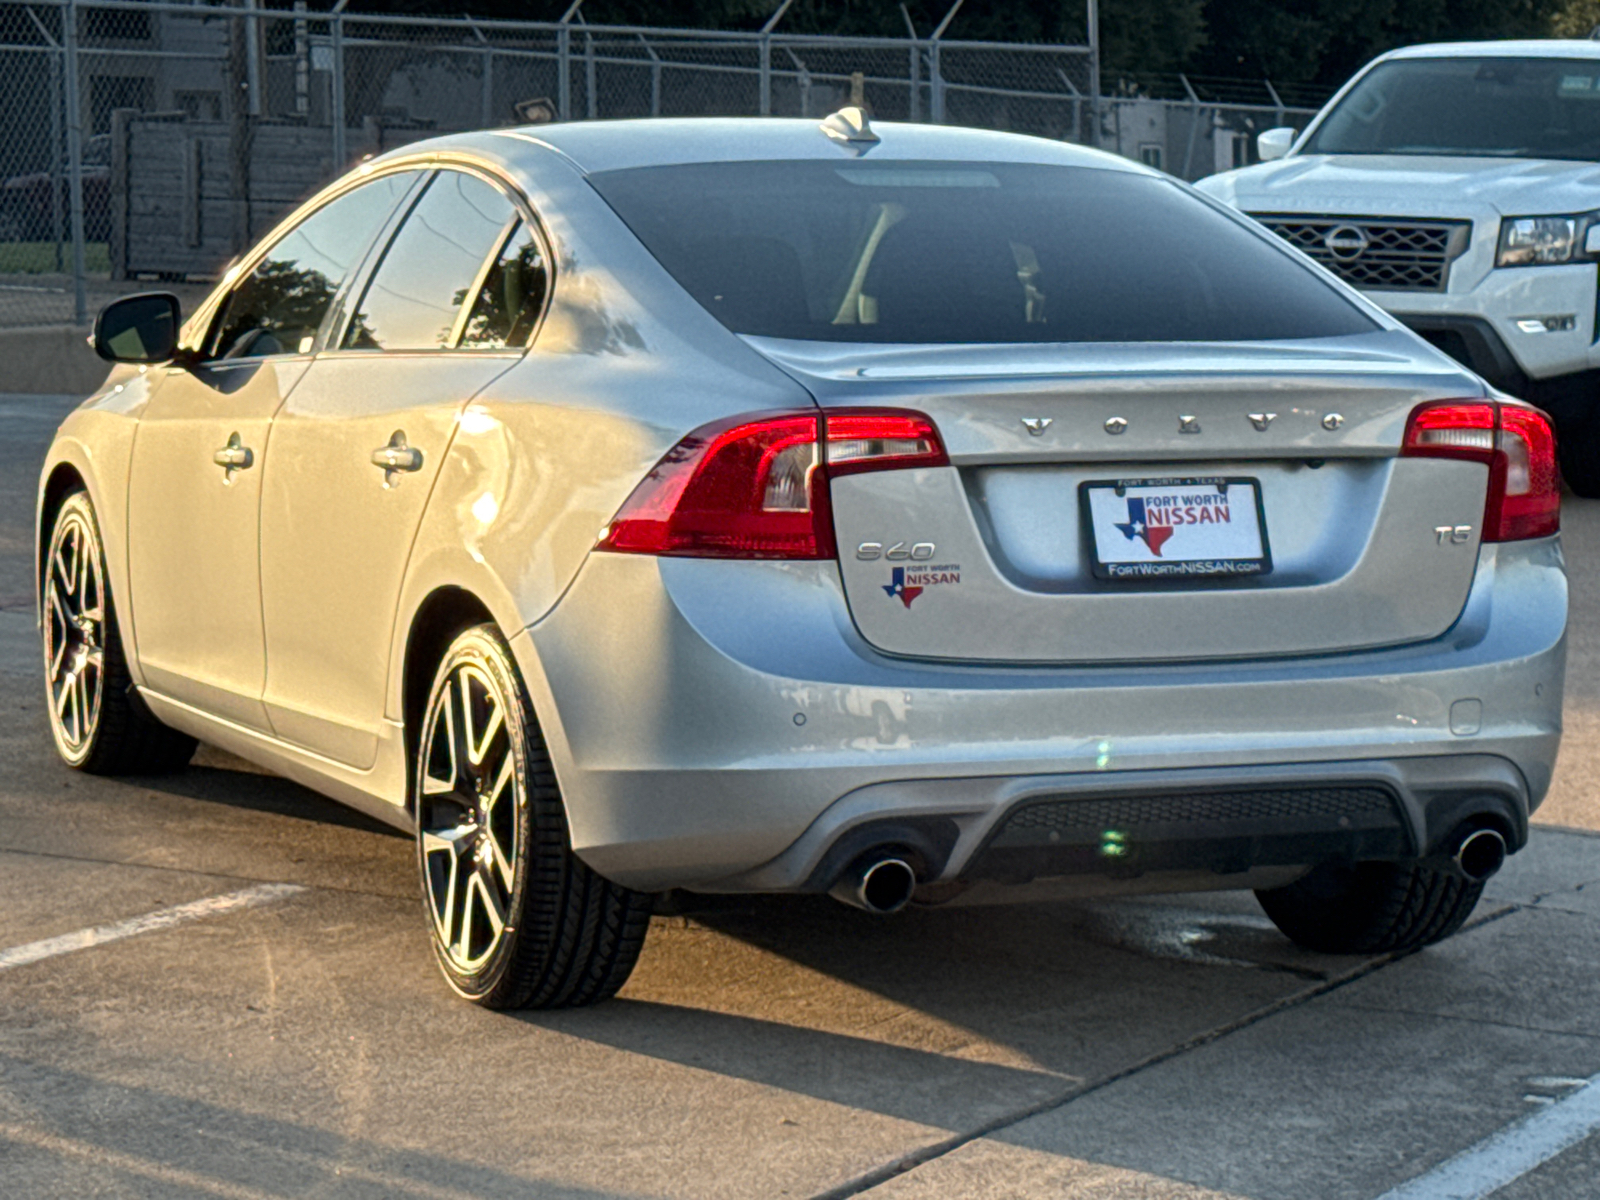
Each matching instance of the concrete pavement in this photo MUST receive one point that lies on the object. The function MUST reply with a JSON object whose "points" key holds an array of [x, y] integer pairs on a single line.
{"points": [[1164, 1048]]}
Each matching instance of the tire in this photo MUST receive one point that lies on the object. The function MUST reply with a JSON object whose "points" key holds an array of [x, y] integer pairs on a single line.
{"points": [[1578, 448], [98, 720], [1372, 907], [516, 920]]}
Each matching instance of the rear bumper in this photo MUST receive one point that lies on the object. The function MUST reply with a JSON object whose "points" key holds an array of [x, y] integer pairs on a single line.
{"points": [[1221, 823], [720, 725]]}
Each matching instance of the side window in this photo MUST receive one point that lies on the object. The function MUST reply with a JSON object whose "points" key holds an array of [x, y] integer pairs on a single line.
{"points": [[415, 299], [279, 306], [511, 296]]}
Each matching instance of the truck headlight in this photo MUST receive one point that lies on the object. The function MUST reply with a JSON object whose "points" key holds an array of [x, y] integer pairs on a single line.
{"points": [[1540, 241]]}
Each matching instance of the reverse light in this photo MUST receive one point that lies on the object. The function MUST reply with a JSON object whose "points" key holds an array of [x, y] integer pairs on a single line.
{"points": [[757, 486], [1517, 445]]}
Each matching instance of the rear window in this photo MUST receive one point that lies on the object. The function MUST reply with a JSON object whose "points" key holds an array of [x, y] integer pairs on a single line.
{"points": [[952, 252]]}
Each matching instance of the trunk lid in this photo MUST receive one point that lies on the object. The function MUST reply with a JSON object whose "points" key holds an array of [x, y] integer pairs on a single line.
{"points": [[993, 558]]}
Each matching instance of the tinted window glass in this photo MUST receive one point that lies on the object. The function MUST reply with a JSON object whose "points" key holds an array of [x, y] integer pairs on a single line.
{"points": [[1506, 107], [951, 252], [414, 299], [511, 297], [279, 306]]}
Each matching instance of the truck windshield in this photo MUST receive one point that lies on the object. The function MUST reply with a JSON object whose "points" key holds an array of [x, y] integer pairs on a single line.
{"points": [[1500, 107]]}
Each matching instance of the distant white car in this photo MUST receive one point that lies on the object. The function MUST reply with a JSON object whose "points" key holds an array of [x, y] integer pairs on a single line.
{"points": [[1457, 185]]}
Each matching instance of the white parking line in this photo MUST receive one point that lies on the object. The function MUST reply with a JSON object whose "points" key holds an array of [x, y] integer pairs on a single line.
{"points": [[162, 918], [1510, 1154]]}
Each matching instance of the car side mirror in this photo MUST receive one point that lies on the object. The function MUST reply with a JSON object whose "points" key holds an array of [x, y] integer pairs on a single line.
{"points": [[138, 329], [1274, 143]]}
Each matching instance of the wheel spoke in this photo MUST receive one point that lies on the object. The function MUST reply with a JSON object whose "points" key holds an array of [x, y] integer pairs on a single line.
{"points": [[447, 845], [432, 783], [480, 747], [461, 748], [508, 771], [502, 861], [78, 706], [489, 897]]}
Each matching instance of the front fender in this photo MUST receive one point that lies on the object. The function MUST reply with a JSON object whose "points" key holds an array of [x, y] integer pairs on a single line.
{"points": [[95, 442]]}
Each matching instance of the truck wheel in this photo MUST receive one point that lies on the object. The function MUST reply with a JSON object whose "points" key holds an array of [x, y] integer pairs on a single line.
{"points": [[1371, 907], [1578, 446], [517, 919]]}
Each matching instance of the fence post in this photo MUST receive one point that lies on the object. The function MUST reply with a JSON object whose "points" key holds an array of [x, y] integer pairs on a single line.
{"points": [[1277, 102], [764, 50], [1094, 72], [56, 181], [340, 155], [252, 60], [802, 81], [69, 41], [655, 76], [590, 106], [564, 73], [914, 96], [564, 61], [935, 85], [1194, 126]]}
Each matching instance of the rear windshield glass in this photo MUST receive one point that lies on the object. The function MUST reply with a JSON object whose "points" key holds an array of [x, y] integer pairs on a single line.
{"points": [[952, 252], [1503, 107]]}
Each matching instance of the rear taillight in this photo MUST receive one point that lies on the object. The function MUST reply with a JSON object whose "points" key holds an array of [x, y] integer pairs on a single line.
{"points": [[1515, 443], [757, 487]]}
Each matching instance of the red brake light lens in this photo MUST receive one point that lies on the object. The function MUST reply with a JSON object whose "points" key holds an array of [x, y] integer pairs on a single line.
{"points": [[757, 487], [877, 441], [1518, 446]]}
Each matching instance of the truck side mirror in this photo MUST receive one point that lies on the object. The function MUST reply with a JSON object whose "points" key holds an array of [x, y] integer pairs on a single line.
{"points": [[138, 329], [1274, 143]]}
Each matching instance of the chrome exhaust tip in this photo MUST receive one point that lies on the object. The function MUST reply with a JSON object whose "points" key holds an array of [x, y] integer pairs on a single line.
{"points": [[882, 885], [1480, 854]]}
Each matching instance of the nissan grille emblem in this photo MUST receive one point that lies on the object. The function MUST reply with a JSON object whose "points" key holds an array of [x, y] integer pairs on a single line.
{"points": [[1346, 242]]}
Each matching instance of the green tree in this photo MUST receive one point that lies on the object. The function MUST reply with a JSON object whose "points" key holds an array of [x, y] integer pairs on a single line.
{"points": [[1576, 18], [1325, 41]]}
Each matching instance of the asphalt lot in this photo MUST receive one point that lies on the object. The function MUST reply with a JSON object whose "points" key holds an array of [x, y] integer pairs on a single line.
{"points": [[301, 1045]]}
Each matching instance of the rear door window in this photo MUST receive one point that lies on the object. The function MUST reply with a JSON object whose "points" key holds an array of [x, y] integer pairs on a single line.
{"points": [[511, 296], [279, 307], [417, 298]]}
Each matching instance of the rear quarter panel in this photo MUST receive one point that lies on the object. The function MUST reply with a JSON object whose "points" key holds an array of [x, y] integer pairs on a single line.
{"points": [[625, 364]]}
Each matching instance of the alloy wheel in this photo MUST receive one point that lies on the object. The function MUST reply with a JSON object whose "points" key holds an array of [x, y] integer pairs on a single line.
{"points": [[74, 633], [469, 802]]}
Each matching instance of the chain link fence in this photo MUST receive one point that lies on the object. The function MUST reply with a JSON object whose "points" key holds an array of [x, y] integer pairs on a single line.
{"points": [[154, 140]]}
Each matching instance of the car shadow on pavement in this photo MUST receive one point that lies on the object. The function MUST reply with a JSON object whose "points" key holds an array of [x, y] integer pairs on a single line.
{"points": [[945, 1017], [122, 1139], [217, 777]]}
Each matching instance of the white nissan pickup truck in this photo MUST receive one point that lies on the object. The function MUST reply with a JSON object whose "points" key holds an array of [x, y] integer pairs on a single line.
{"points": [[1458, 186]]}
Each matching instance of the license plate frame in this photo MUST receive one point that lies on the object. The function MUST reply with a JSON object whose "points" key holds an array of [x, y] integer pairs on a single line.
{"points": [[1152, 567]]}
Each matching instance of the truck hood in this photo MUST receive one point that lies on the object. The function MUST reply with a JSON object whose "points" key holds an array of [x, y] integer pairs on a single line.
{"points": [[1409, 185]]}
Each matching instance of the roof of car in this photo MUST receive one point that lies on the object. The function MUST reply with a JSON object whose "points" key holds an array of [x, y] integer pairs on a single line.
{"points": [[1526, 48], [661, 141]]}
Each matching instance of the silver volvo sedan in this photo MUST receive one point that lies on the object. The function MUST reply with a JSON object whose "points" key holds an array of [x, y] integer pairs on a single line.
{"points": [[913, 514]]}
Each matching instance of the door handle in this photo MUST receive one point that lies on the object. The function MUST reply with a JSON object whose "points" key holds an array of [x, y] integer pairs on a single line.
{"points": [[235, 456], [396, 457]]}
